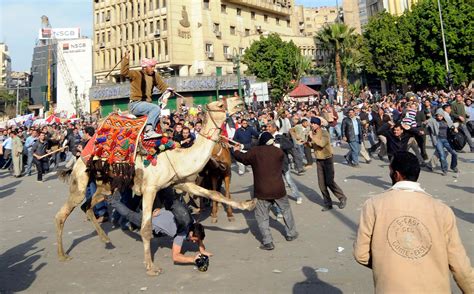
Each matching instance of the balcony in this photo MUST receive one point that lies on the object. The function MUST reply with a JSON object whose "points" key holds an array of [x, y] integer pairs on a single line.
{"points": [[263, 6]]}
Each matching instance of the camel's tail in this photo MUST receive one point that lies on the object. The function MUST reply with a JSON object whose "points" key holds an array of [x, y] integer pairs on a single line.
{"points": [[64, 175]]}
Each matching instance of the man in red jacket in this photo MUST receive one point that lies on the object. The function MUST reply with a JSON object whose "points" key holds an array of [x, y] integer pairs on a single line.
{"points": [[267, 163]]}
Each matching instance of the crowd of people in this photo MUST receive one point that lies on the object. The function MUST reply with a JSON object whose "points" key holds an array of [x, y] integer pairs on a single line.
{"points": [[305, 134]]}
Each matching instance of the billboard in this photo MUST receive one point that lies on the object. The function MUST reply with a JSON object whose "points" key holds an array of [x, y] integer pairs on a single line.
{"points": [[59, 33], [74, 76]]}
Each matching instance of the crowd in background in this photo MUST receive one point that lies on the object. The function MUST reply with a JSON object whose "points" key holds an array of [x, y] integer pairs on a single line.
{"points": [[366, 124]]}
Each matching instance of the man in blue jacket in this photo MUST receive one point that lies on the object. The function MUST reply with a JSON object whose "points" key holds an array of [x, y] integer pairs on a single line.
{"points": [[244, 135]]}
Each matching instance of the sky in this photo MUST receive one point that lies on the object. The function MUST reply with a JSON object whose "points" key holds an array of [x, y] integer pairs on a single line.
{"points": [[20, 21]]}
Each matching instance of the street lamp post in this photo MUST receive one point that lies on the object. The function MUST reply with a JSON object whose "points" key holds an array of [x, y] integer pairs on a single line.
{"points": [[17, 96], [236, 62], [444, 46]]}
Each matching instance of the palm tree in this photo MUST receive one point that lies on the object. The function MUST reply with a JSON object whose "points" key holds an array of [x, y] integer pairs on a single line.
{"points": [[335, 38]]}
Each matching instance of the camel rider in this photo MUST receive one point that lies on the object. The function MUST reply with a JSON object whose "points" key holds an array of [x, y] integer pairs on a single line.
{"points": [[141, 89], [165, 222]]}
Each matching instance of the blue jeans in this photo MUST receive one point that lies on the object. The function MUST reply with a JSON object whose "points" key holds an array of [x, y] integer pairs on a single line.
{"points": [[354, 150], [300, 149], [294, 189], [140, 108], [101, 208], [29, 162], [440, 145]]}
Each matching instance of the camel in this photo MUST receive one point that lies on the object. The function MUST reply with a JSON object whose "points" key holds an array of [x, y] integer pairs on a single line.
{"points": [[178, 167]]}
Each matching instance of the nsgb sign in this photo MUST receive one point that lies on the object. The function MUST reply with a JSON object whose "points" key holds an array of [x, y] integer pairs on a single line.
{"points": [[59, 33]]}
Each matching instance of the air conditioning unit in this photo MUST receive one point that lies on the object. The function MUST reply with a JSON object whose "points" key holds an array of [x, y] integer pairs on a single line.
{"points": [[107, 18], [200, 71], [210, 55], [218, 34], [102, 45], [258, 28], [157, 33], [228, 56]]}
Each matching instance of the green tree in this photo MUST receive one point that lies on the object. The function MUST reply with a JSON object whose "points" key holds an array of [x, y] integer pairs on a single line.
{"points": [[390, 51], [336, 37], [425, 32], [273, 60]]}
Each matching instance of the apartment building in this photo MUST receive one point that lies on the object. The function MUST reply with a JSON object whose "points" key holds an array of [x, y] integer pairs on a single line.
{"points": [[193, 40], [5, 66]]}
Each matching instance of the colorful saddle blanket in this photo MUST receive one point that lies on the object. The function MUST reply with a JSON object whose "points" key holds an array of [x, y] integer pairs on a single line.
{"points": [[117, 140]]}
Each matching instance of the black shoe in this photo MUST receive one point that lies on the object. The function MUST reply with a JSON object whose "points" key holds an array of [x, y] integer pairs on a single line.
{"points": [[445, 173], [342, 203], [368, 161], [300, 172], [380, 157], [268, 246], [456, 170], [347, 159], [291, 238], [429, 168], [326, 208]]}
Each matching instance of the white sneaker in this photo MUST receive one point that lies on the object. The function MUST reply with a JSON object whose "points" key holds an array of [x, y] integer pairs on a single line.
{"points": [[299, 200], [150, 134]]}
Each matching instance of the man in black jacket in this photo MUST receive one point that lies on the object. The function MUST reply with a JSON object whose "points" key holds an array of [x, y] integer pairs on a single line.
{"points": [[352, 134], [400, 138], [244, 135]]}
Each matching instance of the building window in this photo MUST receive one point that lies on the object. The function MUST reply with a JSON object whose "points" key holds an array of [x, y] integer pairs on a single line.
{"points": [[247, 32], [252, 15], [265, 18], [157, 25], [165, 45], [223, 8], [277, 20], [288, 23], [239, 12], [151, 27], [97, 38], [209, 48], [215, 27], [226, 50], [109, 36], [97, 20], [232, 30], [150, 5], [157, 4], [206, 4], [165, 25], [164, 3], [241, 51], [308, 19]]}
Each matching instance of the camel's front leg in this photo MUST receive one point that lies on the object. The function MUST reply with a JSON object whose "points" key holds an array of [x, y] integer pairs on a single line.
{"points": [[98, 197], [215, 205], [215, 196], [146, 231]]}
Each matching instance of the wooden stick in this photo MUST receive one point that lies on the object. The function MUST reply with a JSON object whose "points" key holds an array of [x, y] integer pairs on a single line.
{"points": [[52, 152], [114, 67], [230, 140]]}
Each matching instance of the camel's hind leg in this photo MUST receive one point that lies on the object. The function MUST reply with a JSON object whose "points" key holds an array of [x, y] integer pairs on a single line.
{"points": [[98, 197], [77, 192], [216, 196]]}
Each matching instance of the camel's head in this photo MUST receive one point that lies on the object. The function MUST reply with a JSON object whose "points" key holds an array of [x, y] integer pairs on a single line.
{"points": [[217, 110], [234, 105]]}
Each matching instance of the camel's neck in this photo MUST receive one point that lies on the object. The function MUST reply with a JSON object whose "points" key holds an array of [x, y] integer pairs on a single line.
{"points": [[192, 160]]}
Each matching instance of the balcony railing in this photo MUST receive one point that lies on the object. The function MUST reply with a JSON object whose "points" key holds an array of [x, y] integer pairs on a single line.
{"points": [[263, 5]]}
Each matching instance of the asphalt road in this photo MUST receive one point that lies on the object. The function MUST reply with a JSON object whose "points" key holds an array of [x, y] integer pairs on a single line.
{"points": [[28, 260]]}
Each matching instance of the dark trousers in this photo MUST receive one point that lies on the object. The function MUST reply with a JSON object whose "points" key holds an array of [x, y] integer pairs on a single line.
{"points": [[41, 166], [308, 153], [325, 168]]}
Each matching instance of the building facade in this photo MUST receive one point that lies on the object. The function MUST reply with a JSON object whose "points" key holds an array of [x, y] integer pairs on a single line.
{"points": [[194, 41], [395, 7], [44, 57], [5, 66]]}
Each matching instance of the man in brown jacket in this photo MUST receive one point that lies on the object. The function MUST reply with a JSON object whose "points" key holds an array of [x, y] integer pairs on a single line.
{"points": [[267, 163], [321, 143], [142, 83], [410, 240]]}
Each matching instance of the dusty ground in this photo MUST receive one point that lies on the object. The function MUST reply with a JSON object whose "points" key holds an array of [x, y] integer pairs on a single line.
{"points": [[28, 259]]}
